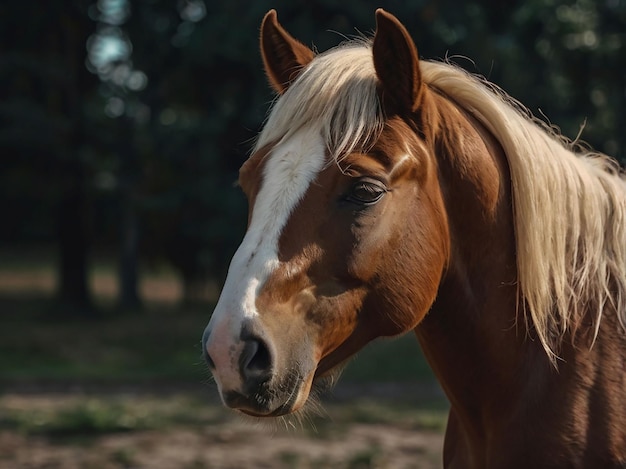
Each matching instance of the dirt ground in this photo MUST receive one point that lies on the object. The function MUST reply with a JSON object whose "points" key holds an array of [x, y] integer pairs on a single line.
{"points": [[355, 439]]}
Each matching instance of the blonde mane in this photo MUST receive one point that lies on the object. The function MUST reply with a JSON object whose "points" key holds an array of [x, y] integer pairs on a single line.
{"points": [[569, 209], [337, 92], [569, 206]]}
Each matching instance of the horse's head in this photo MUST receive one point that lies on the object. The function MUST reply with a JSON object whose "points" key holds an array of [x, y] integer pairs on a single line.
{"points": [[347, 236]]}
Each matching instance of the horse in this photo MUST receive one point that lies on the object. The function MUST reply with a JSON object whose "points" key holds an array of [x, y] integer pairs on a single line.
{"points": [[390, 194]]}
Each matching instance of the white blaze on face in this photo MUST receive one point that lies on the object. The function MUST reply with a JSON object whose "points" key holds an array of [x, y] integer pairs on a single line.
{"points": [[291, 167]]}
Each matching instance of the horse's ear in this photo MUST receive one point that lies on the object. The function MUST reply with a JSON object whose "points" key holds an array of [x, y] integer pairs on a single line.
{"points": [[397, 63], [283, 56]]}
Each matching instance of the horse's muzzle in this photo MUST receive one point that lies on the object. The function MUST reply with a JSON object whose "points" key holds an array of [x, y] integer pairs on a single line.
{"points": [[247, 373]]}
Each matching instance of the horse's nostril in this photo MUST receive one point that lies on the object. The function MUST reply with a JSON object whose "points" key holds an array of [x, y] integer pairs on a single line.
{"points": [[256, 360]]}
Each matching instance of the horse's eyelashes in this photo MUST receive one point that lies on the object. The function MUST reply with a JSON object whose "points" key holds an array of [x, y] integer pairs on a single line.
{"points": [[366, 192]]}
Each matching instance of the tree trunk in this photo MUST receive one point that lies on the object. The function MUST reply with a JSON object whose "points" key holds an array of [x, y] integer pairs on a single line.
{"points": [[73, 290], [73, 233], [129, 242]]}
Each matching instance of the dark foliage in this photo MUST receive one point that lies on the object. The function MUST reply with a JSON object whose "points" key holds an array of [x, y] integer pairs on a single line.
{"points": [[123, 123]]}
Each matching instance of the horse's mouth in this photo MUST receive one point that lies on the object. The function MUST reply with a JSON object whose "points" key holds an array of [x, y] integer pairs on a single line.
{"points": [[273, 398], [284, 409], [287, 407], [299, 395]]}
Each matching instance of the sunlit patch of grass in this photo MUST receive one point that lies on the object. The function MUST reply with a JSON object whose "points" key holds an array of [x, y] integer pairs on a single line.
{"points": [[91, 416]]}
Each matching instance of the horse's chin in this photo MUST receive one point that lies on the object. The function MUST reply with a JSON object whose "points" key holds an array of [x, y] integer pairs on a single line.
{"points": [[305, 400]]}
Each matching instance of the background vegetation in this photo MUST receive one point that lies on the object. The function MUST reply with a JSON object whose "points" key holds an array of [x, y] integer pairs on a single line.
{"points": [[122, 126], [123, 123]]}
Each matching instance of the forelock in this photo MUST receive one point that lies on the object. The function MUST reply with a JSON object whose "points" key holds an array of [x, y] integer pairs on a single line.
{"points": [[336, 92]]}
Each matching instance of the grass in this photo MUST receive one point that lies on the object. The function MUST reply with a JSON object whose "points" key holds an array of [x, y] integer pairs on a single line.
{"points": [[156, 344], [91, 415], [87, 417], [80, 415]]}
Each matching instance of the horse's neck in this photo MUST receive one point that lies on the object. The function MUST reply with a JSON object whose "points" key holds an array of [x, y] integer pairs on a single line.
{"points": [[499, 379], [472, 336]]}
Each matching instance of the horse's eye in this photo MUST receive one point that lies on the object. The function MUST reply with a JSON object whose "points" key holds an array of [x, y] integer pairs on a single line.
{"points": [[366, 192]]}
